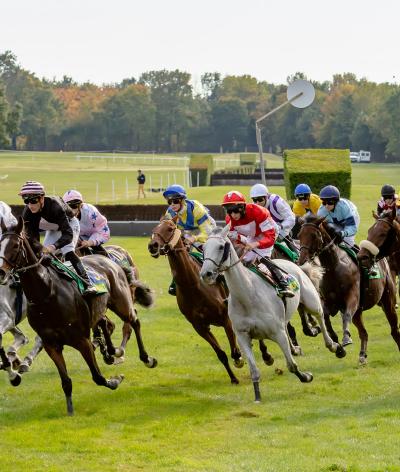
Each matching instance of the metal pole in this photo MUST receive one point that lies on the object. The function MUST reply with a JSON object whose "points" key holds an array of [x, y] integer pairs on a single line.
{"points": [[258, 133]]}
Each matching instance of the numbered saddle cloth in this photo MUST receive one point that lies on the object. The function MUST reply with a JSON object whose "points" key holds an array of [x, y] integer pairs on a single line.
{"points": [[266, 275], [118, 258], [98, 280]]}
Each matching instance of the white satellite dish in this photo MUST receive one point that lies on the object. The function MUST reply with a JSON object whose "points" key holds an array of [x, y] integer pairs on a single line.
{"points": [[300, 93]]}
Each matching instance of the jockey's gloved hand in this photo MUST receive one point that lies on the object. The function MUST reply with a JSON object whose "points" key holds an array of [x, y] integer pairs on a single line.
{"points": [[339, 236], [280, 238], [50, 249]]}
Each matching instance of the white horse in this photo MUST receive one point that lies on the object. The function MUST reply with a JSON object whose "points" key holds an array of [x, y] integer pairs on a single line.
{"points": [[255, 309]]}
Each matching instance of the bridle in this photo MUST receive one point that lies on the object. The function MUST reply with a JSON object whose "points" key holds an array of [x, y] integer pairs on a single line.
{"points": [[168, 243], [384, 249], [16, 266], [320, 244], [226, 253]]}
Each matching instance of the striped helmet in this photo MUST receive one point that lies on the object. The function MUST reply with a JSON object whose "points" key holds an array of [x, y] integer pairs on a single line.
{"points": [[31, 187]]}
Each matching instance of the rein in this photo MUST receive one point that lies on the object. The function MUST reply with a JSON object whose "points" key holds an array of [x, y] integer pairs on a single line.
{"points": [[171, 242], [15, 266], [321, 241], [225, 255]]}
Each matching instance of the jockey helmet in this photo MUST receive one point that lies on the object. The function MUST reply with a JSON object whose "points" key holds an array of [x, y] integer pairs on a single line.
{"points": [[174, 191], [72, 196], [302, 189], [233, 197], [330, 192], [258, 190], [388, 191], [32, 188]]}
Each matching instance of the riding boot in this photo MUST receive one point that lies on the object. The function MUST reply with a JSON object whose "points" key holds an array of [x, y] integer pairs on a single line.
{"points": [[283, 286], [172, 288], [90, 289]]}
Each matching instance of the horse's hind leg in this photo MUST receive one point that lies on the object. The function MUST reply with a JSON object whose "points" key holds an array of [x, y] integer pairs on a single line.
{"points": [[310, 327], [235, 351], [13, 376], [205, 333], [282, 339], [388, 302], [267, 358], [363, 335], [55, 353], [19, 340], [294, 345], [144, 357], [31, 356]]}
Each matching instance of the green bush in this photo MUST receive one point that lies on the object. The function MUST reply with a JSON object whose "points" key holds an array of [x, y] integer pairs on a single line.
{"points": [[317, 168], [204, 164], [248, 159]]}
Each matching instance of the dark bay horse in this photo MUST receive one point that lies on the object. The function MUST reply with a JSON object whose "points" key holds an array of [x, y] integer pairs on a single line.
{"points": [[201, 304], [59, 313], [346, 288], [383, 240]]}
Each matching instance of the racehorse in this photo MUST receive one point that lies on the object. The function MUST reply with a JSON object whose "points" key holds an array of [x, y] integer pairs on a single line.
{"points": [[10, 316], [59, 313], [254, 307], [383, 240], [202, 305], [141, 293], [344, 287]]}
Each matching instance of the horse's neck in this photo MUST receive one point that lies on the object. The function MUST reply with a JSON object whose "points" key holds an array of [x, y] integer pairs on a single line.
{"points": [[36, 281], [239, 282], [182, 267]]}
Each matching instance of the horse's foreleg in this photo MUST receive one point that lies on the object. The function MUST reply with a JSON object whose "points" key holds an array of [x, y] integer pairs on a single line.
{"points": [[31, 356], [109, 351], [294, 345], [388, 302], [244, 340], [126, 335], [267, 358], [282, 339], [328, 324], [84, 346], [19, 340], [363, 335], [310, 327], [13, 376], [55, 353], [235, 351], [205, 333], [144, 357]]}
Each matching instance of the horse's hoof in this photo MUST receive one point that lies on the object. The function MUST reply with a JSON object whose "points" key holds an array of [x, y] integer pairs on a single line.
{"points": [[307, 377], [151, 363], [257, 401], [16, 380], [239, 363], [362, 361], [16, 363], [109, 360], [340, 352], [119, 360], [346, 341], [297, 351], [269, 361], [23, 368], [119, 352], [234, 381]]}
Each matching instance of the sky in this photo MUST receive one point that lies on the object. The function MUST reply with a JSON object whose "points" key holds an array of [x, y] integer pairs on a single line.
{"points": [[105, 41]]}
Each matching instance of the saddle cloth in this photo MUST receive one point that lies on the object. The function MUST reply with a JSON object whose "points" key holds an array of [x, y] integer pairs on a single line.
{"points": [[265, 274]]}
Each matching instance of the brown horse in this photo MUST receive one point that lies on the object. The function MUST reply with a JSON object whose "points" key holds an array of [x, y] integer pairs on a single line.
{"points": [[202, 305], [383, 241], [58, 312], [346, 288]]}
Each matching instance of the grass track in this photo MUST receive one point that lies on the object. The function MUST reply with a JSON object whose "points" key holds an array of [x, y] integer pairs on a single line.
{"points": [[185, 416]]}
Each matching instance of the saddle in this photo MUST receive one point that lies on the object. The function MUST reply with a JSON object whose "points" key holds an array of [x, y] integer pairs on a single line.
{"points": [[262, 271]]}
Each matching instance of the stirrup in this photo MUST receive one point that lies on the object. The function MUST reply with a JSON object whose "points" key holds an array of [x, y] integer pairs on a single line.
{"points": [[90, 290], [285, 292]]}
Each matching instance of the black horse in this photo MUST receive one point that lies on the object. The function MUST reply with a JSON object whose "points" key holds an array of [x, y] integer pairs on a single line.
{"points": [[60, 314]]}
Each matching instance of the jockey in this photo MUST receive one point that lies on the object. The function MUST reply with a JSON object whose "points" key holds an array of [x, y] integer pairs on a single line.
{"points": [[342, 213], [192, 217], [62, 228], [94, 230], [253, 225], [306, 201], [388, 199]]}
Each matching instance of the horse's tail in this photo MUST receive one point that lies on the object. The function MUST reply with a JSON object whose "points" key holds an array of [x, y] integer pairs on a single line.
{"points": [[142, 293], [314, 272]]}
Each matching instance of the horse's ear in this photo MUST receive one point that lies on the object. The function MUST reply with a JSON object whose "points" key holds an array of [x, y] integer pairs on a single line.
{"points": [[394, 211], [320, 220], [20, 225], [225, 230], [3, 226], [375, 214]]}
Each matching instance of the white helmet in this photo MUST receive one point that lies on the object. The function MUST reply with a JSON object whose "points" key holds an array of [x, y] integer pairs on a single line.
{"points": [[258, 190]]}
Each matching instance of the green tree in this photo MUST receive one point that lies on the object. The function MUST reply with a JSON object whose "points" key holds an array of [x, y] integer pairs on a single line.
{"points": [[4, 139]]}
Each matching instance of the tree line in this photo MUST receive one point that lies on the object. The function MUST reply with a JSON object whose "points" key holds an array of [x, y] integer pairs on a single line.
{"points": [[160, 111]]}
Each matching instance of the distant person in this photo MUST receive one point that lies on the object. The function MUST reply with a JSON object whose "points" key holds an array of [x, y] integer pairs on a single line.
{"points": [[388, 199], [141, 179]]}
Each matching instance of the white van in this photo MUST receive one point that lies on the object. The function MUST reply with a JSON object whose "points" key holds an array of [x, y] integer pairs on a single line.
{"points": [[354, 157], [365, 156]]}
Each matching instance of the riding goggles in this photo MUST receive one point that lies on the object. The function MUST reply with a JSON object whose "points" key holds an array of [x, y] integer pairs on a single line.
{"points": [[233, 209], [258, 199], [303, 197], [32, 200], [74, 206], [174, 201], [328, 202]]}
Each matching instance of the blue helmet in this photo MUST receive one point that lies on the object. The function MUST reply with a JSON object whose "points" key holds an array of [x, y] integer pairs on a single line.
{"points": [[330, 191], [302, 189], [175, 191]]}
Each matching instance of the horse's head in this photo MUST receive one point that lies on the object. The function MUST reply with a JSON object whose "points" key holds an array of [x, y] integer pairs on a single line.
{"points": [[311, 237], [217, 251], [11, 249], [164, 237], [383, 239]]}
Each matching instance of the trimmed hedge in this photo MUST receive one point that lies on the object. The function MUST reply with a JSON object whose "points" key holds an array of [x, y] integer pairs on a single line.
{"points": [[248, 159], [317, 168]]}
